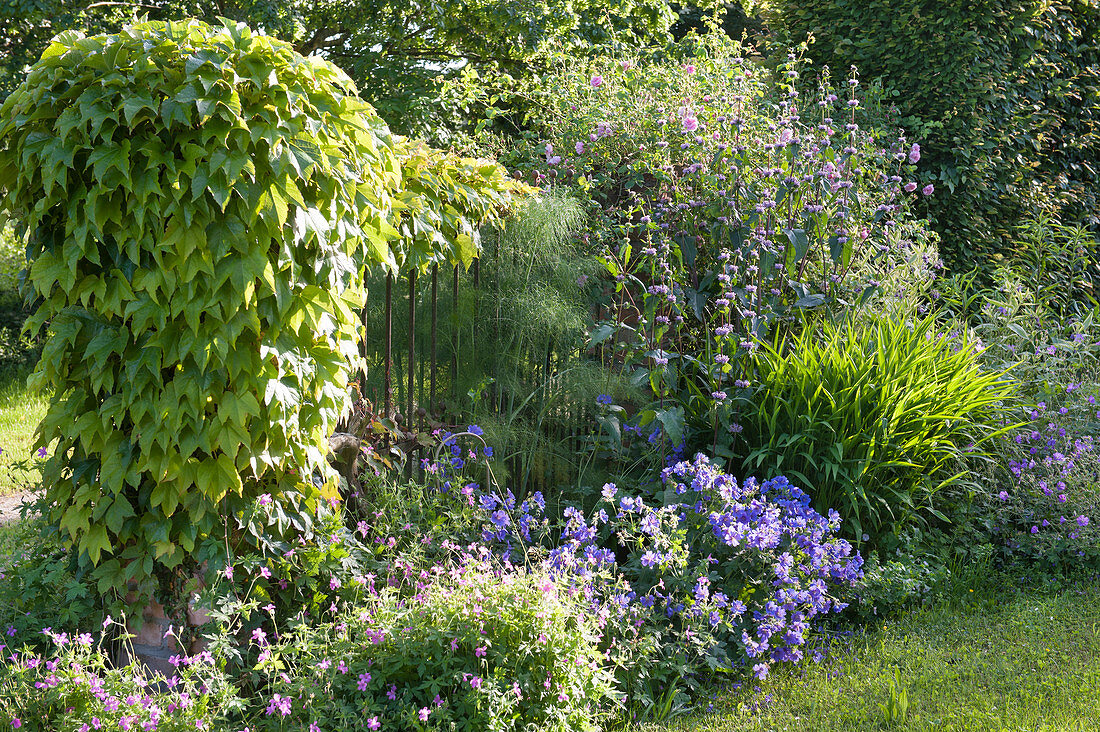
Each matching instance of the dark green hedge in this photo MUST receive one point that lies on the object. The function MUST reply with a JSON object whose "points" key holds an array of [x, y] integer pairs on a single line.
{"points": [[1004, 96]]}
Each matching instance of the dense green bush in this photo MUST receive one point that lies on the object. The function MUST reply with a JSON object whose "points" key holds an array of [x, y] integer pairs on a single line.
{"points": [[200, 205], [1003, 95], [470, 646], [875, 417], [724, 205]]}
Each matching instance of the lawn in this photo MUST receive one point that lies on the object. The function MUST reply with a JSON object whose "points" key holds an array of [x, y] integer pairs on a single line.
{"points": [[20, 413], [1026, 664]]}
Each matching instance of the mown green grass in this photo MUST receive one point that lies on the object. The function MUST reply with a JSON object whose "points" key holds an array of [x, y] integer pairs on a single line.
{"points": [[20, 413], [1028, 664]]}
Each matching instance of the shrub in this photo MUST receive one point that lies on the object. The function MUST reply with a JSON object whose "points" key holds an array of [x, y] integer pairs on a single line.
{"points": [[1043, 515], [725, 205], [1044, 519], [1003, 95], [1020, 330], [200, 205], [708, 575], [875, 417], [39, 588], [1045, 475], [466, 646], [74, 686], [704, 575], [1059, 263]]}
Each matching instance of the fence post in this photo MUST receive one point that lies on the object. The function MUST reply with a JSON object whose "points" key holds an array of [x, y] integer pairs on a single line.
{"points": [[454, 341], [412, 347], [435, 321], [387, 362]]}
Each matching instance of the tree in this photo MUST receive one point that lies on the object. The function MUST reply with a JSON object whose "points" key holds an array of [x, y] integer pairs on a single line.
{"points": [[200, 206], [397, 51]]}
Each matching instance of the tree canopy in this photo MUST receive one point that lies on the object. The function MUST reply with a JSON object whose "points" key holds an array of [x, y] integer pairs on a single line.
{"points": [[395, 50]]}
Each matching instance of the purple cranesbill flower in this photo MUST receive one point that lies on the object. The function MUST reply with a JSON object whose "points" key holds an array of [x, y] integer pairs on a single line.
{"points": [[910, 186], [1082, 520], [596, 81], [279, 704], [928, 189], [914, 153], [1003, 495]]}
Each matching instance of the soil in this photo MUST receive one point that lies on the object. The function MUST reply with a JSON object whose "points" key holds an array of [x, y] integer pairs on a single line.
{"points": [[10, 504]]}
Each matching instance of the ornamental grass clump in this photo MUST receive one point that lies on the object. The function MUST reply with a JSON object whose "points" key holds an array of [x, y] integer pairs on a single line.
{"points": [[199, 204], [876, 418]]}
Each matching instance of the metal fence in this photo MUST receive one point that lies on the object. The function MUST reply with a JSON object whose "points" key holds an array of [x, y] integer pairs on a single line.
{"points": [[421, 351]]}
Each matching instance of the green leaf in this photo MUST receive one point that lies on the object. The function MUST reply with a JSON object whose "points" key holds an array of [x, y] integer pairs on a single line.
{"points": [[95, 542], [105, 158], [799, 245], [119, 511]]}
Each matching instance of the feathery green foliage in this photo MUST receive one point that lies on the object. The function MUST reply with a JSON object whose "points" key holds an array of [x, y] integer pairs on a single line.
{"points": [[516, 339], [873, 417]]}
